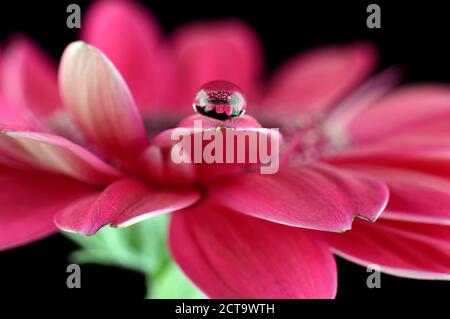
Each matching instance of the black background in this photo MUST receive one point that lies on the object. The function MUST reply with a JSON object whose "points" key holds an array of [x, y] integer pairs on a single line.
{"points": [[413, 36]]}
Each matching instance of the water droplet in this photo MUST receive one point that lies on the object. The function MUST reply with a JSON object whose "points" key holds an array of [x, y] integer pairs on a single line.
{"points": [[221, 100]]}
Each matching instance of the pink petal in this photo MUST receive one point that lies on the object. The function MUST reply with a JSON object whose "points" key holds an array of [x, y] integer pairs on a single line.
{"points": [[418, 108], [1, 62], [29, 80], [206, 51], [315, 80], [413, 196], [55, 154], [28, 203], [229, 255], [198, 128], [10, 115], [242, 122], [122, 204], [228, 109], [431, 159], [100, 102], [220, 109], [411, 250], [433, 139], [159, 168], [130, 37], [362, 97], [312, 196]]}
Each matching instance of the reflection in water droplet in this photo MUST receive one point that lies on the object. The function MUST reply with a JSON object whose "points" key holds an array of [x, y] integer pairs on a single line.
{"points": [[221, 100]]}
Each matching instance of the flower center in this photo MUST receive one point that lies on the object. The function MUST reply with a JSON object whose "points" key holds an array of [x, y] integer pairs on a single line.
{"points": [[308, 137]]}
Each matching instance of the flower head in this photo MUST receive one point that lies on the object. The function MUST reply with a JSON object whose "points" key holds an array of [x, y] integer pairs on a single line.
{"points": [[90, 148]]}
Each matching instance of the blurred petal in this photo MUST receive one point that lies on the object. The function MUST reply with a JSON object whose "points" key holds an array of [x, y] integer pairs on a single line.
{"points": [[122, 204], [207, 51], [362, 97], [54, 154], [430, 140], [10, 115], [229, 255], [431, 159], [28, 203], [412, 109], [315, 80], [1, 68], [100, 101], [130, 37], [411, 250], [29, 80], [312, 196]]}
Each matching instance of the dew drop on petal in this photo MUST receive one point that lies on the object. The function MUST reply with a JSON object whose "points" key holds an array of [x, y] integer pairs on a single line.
{"points": [[221, 100]]}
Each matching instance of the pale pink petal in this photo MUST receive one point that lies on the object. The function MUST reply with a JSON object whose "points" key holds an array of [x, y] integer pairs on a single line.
{"points": [[229, 255], [412, 109], [413, 196], [312, 196], [28, 203], [121, 204], [412, 250], [55, 154], [29, 80], [316, 80], [206, 51], [130, 37], [100, 102]]}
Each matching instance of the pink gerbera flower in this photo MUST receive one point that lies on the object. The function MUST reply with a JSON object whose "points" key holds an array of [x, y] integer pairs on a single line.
{"points": [[92, 152]]}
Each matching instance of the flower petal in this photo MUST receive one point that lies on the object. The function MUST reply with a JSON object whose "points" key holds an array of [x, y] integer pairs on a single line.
{"points": [[100, 102], [215, 148], [1, 59], [159, 168], [10, 115], [230, 255], [206, 51], [122, 204], [29, 80], [411, 250], [413, 108], [312, 196], [130, 37], [28, 203], [413, 196], [55, 154], [315, 80], [431, 159]]}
